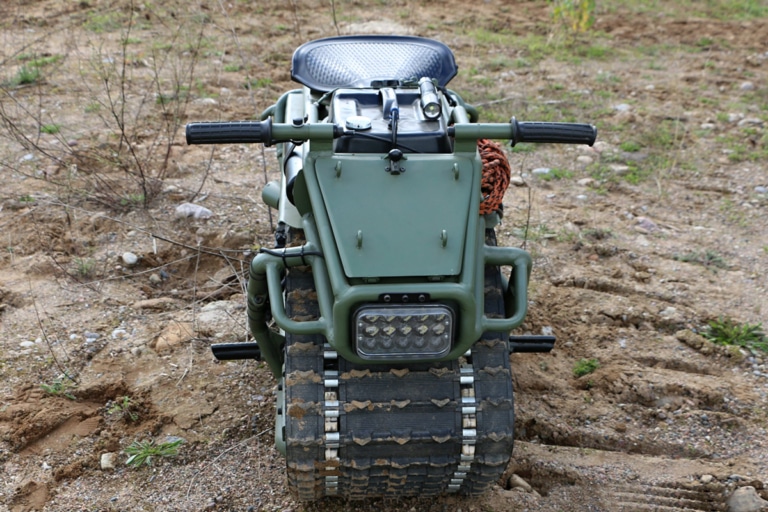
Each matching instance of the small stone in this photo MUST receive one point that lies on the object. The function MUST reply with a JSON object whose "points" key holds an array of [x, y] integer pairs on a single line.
{"points": [[746, 499], [130, 259], [108, 460], [750, 121], [619, 169], [761, 190], [668, 312], [705, 479], [747, 86], [707, 126], [186, 210], [585, 182], [584, 159], [27, 344], [515, 482], [601, 146], [541, 171], [155, 279], [622, 107], [647, 224], [734, 117], [581, 197], [517, 181]]}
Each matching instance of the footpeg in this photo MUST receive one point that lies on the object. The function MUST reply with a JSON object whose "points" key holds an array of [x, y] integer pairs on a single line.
{"points": [[232, 351], [531, 343]]}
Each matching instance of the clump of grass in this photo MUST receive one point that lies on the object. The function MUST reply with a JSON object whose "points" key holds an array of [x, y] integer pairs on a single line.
{"points": [[26, 75], [577, 15], [142, 452], [50, 129], [585, 367], [556, 174], [84, 266], [59, 387], [706, 258], [725, 331], [125, 408]]}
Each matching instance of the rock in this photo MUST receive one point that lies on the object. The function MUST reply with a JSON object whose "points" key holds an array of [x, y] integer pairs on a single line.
{"points": [[155, 279], [108, 460], [622, 107], [746, 499], [160, 303], [585, 182], [539, 171], [217, 318], [690, 338], [619, 169], [705, 479], [186, 210], [173, 335], [647, 225], [747, 86], [515, 482], [584, 159], [707, 126], [130, 259], [601, 146], [750, 121], [761, 190], [517, 181], [27, 344], [668, 312]]}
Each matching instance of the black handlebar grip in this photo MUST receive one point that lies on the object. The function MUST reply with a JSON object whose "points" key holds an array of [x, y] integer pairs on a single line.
{"points": [[243, 132], [556, 133]]}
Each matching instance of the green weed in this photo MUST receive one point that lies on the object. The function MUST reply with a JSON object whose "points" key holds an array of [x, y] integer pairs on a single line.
{"points": [[26, 75], [50, 129], [59, 387], [556, 174], [725, 331], [705, 258], [84, 266], [142, 452], [577, 15], [585, 367], [124, 408]]}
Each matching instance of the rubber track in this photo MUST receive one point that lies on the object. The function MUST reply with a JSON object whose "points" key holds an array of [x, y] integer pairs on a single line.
{"points": [[400, 428]]}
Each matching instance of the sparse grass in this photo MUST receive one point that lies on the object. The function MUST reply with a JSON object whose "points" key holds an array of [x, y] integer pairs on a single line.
{"points": [[50, 129], [705, 258], [59, 387], [26, 75], [577, 15], [125, 408], [143, 452], [556, 174], [585, 367], [84, 267], [725, 331]]}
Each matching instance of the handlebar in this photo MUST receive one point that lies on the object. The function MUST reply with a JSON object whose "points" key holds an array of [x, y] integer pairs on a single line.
{"points": [[268, 133]]}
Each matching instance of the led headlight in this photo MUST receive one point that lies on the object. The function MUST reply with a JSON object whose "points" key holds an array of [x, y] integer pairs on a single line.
{"points": [[430, 102], [403, 332]]}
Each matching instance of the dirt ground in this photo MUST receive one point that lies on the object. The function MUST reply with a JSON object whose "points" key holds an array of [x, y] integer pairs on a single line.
{"points": [[626, 271]]}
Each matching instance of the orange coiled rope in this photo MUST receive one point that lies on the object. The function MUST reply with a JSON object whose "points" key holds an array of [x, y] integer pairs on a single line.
{"points": [[496, 174]]}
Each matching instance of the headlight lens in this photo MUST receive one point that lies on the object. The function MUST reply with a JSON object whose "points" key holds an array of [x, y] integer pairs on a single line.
{"points": [[404, 332]]}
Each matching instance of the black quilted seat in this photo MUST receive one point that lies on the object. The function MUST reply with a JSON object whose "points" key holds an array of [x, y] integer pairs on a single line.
{"points": [[358, 61]]}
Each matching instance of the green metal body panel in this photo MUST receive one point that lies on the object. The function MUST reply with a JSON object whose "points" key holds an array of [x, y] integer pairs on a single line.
{"points": [[385, 225], [370, 233]]}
